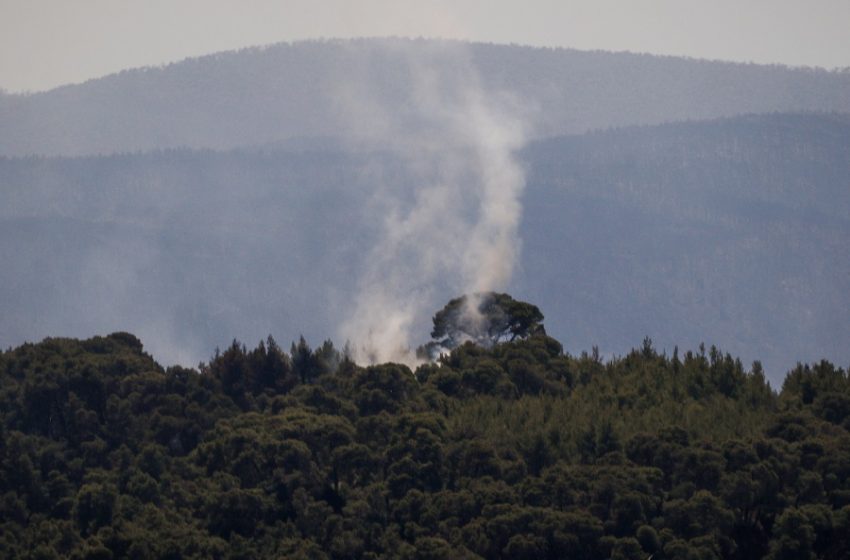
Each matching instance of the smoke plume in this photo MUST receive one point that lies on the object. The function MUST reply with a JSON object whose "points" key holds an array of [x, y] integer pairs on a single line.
{"points": [[455, 230]]}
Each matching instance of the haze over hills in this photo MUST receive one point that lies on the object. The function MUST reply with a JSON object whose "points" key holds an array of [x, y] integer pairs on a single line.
{"points": [[337, 194], [732, 231], [346, 89]]}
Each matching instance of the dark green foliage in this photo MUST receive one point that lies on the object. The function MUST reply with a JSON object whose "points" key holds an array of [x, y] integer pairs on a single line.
{"points": [[485, 319], [513, 451]]}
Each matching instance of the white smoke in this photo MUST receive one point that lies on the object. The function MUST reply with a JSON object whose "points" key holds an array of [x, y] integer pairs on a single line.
{"points": [[459, 232]]}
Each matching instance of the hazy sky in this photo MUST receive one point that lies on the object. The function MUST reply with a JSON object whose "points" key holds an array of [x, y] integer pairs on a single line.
{"points": [[45, 43]]}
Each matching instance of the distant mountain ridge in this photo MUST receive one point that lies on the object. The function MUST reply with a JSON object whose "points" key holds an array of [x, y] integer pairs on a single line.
{"points": [[285, 91]]}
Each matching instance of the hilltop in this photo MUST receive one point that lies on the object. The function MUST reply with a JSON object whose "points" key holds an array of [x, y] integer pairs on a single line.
{"points": [[312, 89]]}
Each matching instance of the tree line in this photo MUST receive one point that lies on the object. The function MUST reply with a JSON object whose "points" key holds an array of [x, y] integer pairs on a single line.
{"points": [[513, 450]]}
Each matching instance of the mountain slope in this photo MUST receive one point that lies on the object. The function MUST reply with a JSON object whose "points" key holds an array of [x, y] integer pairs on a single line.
{"points": [[733, 232]]}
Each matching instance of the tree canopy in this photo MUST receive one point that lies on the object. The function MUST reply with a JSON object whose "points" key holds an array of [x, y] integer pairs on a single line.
{"points": [[519, 450], [485, 319]]}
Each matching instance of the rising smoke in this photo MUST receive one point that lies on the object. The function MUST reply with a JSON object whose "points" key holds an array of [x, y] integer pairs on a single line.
{"points": [[457, 233]]}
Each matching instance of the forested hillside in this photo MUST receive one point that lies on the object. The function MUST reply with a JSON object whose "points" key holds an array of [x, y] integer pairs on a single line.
{"points": [[731, 232], [518, 451], [346, 88]]}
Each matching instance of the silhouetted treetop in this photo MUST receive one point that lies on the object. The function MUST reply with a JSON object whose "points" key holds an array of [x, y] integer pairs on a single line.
{"points": [[485, 319]]}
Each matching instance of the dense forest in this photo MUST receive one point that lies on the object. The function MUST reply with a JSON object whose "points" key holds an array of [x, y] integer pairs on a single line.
{"points": [[514, 449]]}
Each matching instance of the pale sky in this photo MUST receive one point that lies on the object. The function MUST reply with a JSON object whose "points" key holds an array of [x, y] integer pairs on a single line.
{"points": [[46, 43]]}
